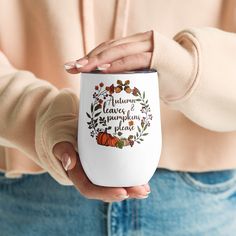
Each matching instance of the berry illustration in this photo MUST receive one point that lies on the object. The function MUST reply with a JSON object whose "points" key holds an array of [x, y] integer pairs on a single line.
{"points": [[135, 91]]}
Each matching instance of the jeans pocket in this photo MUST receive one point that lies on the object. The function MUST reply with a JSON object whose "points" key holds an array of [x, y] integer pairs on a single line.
{"points": [[212, 181]]}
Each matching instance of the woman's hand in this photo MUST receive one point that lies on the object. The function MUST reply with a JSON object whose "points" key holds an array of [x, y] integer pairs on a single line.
{"points": [[129, 53], [65, 152]]}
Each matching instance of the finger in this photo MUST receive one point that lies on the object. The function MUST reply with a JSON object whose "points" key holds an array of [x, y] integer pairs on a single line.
{"points": [[134, 62], [139, 37], [147, 188], [139, 191], [111, 43], [71, 66], [112, 54], [73, 70], [66, 153], [91, 191]]}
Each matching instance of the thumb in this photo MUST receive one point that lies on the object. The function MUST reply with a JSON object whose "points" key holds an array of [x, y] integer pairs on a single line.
{"points": [[65, 152]]}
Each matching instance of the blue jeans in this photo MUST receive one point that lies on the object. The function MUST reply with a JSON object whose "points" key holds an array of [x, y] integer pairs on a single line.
{"points": [[180, 204]]}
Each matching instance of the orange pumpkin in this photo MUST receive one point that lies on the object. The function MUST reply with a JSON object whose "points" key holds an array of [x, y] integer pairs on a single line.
{"points": [[106, 139], [112, 141], [102, 138]]}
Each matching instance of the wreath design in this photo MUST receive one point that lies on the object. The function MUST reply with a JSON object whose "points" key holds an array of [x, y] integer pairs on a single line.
{"points": [[98, 125]]}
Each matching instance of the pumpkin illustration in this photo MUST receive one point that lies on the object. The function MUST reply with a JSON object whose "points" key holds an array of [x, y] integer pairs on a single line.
{"points": [[112, 141], [106, 139], [102, 138]]}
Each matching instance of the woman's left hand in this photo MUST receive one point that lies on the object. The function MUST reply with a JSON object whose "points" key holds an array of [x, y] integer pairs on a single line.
{"points": [[124, 54]]}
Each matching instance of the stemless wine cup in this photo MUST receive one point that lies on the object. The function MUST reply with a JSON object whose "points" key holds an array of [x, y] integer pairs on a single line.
{"points": [[119, 134]]}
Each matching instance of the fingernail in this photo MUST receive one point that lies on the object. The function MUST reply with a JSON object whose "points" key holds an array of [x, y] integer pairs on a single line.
{"points": [[69, 65], [81, 62], [123, 196], [66, 161], [103, 66], [147, 188], [142, 196], [148, 192]]}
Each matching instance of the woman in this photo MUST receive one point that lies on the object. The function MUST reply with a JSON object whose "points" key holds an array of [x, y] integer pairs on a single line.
{"points": [[193, 190]]}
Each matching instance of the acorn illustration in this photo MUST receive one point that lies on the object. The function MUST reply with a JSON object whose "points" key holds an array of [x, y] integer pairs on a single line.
{"points": [[118, 89], [127, 89], [127, 82], [119, 82]]}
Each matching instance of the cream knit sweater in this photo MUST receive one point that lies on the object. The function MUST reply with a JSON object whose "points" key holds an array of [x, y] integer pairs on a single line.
{"points": [[194, 53]]}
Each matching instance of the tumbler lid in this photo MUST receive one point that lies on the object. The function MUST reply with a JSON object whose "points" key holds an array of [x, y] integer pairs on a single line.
{"points": [[96, 71]]}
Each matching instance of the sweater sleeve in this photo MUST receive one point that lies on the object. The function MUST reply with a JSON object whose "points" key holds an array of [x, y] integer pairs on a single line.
{"points": [[197, 75], [35, 116]]}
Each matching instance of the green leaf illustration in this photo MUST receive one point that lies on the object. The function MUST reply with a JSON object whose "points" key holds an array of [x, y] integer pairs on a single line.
{"points": [[145, 127], [145, 134], [91, 107], [139, 129], [97, 114], [88, 115]]}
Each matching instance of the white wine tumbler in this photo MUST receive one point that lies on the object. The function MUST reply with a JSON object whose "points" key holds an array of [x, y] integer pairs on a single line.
{"points": [[119, 134]]}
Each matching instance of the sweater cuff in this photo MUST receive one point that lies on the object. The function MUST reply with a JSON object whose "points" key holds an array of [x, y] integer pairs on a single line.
{"points": [[177, 63], [57, 124]]}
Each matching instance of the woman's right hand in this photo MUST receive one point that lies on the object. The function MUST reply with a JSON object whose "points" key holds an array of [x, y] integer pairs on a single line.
{"points": [[66, 153]]}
